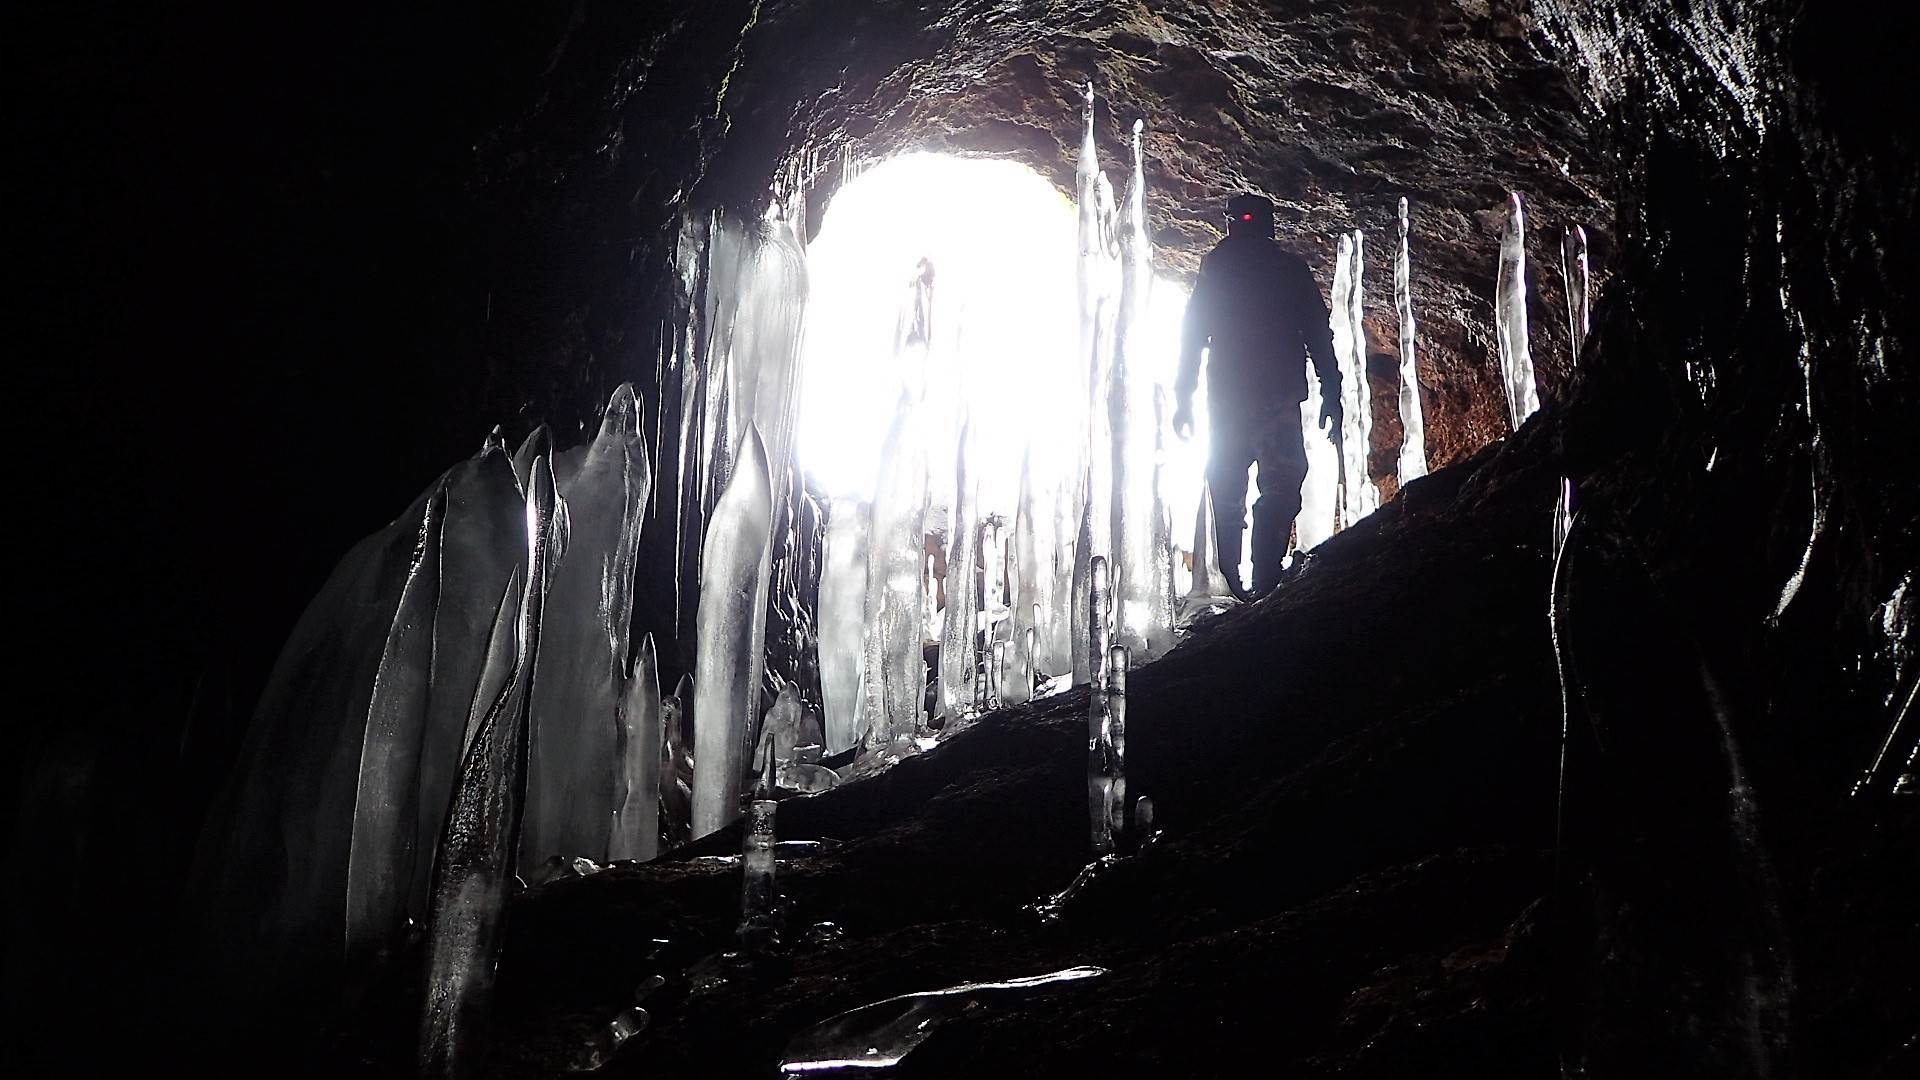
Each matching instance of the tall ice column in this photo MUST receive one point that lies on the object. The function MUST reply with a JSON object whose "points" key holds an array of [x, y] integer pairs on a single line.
{"points": [[731, 650], [1413, 446], [1510, 316]]}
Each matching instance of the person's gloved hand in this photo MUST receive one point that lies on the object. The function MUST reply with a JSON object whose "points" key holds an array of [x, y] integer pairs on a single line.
{"points": [[1331, 414], [1183, 419]]}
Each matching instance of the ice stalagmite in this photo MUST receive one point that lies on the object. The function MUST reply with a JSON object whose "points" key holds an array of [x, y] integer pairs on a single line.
{"points": [[473, 868], [764, 365], [1573, 265], [1099, 774], [896, 669], [269, 884], [381, 851], [484, 542], [1164, 604], [1510, 316], [1358, 495], [1057, 553], [572, 767], [1320, 491], [730, 648], [759, 928], [1562, 515], [636, 814], [1107, 755], [1131, 423], [791, 733], [1413, 445], [1095, 272], [676, 766], [1084, 558], [537, 444], [842, 620], [958, 648], [1033, 569], [1210, 591]]}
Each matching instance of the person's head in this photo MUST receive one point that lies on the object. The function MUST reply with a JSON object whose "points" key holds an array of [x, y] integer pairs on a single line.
{"points": [[1250, 215]]}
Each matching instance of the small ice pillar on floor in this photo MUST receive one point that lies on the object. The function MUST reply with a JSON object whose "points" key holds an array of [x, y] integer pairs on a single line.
{"points": [[1108, 765], [1106, 754], [1099, 706], [759, 892], [1510, 316], [636, 815], [1210, 591]]}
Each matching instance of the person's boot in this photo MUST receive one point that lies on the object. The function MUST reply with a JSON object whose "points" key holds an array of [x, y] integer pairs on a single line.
{"points": [[1227, 537], [1272, 531]]}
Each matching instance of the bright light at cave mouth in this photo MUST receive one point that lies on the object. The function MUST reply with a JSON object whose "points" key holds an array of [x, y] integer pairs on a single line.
{"points": [[1005, 329]]}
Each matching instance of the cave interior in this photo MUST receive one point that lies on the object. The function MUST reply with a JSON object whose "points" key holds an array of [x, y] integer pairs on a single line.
{"points": [[1451, 802]]}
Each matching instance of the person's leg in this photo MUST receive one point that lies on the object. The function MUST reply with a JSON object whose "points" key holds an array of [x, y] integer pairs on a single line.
{"points": [[1283, 468], [1228, 457]]}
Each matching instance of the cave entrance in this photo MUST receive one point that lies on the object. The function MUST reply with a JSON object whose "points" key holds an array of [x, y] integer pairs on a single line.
{"points": [[1002, 332]]}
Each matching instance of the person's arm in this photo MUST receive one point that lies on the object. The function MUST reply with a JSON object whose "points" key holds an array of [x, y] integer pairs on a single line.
{"points": [[1311, 317], [1195, 328]]}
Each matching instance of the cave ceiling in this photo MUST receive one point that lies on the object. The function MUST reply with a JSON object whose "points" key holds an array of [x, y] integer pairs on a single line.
{"points": [[1332, 110]]}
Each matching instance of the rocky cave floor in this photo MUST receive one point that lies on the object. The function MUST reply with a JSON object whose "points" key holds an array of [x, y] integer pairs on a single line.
{"points": [[1356, 778]]}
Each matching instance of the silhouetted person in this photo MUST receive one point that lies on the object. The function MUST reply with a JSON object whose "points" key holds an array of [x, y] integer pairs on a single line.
{"points": [[1259, 315]]}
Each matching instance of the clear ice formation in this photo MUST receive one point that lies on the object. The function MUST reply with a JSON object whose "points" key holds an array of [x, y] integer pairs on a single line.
{"points": [[879, 1035], [275, 877], [959, 652], [1510, 316], [1132, 427], [842, 621], [381, 848], [483, 544], [1210, 591], [1059, 550], [1083, 561], [1413, 445], [473, 867], [763, 364], [1164, 605], [607, 1041], [1320, 491], [896, 668], [1573, 265], [636, 815], [790, 736], [730, 650], [1358, 495], [759, 892], [1101, 764], [1094, 271], [1032, 572], [676, 766], [573, 761], [1106, 754], [538, 444], [1562, 515]]}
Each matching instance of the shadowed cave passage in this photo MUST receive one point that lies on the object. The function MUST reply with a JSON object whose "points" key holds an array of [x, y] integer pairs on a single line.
{"points": [[1366, 869]]}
